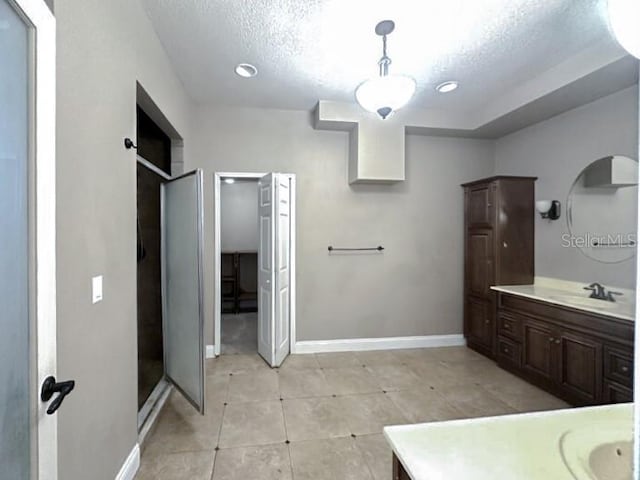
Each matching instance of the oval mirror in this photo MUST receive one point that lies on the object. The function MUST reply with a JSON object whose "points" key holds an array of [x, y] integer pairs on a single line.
{"points": [[602, 210]]}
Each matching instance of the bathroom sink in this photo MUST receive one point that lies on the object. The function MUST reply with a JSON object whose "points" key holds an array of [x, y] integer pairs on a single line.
{"points": [[599, 451], [587, 302]]}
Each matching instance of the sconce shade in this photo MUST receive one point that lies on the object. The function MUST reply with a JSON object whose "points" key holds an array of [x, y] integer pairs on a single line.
{"points": [[548, 209], [543, 206]]}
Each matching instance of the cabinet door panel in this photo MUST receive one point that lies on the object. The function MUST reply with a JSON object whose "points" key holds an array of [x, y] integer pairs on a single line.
{"points": [[478, 321], [480, 206], [580, 368], [537, 349], [480, 263]]}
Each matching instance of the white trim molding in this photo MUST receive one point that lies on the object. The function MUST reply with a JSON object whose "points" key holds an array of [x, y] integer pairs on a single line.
{"points": [[150, 421], [386, 343], [131, 465], [211, 351]]}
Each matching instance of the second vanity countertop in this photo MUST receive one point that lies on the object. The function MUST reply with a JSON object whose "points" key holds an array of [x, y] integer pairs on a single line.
{"points": [[522, 446], [572, 294]]}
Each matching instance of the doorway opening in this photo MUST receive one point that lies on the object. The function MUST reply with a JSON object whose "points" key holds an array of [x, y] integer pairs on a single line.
{"points": [[169, 226], [154, 145], [254, 251], [239, 265]]}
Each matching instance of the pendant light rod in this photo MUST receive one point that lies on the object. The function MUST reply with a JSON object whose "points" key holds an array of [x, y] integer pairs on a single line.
{"points": [[383, 29]]}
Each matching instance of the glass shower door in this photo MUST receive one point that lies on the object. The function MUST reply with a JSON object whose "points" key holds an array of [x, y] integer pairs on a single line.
{"points": [[15, 355], [182, 289]]}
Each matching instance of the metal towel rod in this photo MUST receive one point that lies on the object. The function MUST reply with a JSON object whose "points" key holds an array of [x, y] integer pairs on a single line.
{"points": [[379, 248]]}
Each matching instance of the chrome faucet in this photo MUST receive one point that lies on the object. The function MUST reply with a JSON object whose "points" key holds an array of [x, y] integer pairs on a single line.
{"points": [[600, 293]]}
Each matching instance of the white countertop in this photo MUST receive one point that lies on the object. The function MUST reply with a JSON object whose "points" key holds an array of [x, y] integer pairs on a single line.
{"points": [[522, 446], [573, 295]]}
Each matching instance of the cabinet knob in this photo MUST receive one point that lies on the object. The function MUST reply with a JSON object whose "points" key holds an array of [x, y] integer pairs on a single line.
{"points": [[505, 244], [551, 339], [506, 326], [558, 341], [486, 322], [624, 368]]}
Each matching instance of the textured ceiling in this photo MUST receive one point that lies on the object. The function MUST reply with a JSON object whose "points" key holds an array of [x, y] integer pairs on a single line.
{"points": [[306, 50]]}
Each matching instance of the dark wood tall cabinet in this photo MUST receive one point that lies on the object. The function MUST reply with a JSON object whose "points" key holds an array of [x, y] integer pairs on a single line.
{"points": [[498, 250]]}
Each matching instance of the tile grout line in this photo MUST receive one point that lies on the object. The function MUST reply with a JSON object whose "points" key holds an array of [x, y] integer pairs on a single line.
{"points": [[286, 431], [217, 447]]}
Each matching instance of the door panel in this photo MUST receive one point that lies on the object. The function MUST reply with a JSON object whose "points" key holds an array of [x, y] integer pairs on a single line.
{"points": [[266, 254], [537, 349], [580, 368], [480, 206], [479, 326], [282, 236], [15, 353], [28, 441], [274, 291], [480, 263], [183, 316]]}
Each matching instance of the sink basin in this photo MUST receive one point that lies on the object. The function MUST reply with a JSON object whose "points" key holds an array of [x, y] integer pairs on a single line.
{"points": [[599, 451], [586, 302]]}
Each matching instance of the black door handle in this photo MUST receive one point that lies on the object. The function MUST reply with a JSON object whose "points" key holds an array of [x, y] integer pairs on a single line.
{"points": [[49, 387]]}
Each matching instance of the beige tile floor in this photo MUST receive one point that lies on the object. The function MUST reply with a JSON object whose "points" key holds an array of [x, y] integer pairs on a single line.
{"points": [[321, 416]]}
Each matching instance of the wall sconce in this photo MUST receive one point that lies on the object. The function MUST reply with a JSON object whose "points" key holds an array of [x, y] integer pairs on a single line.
{"points": [[548, 209]]}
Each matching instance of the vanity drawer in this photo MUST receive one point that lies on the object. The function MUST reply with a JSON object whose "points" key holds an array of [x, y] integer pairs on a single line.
{"points": [[510, 325], [616, 393], [508, 352], [618, 366]]}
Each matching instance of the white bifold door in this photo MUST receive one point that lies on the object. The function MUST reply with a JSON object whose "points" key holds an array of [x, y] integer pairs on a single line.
{"points": [[274, 267], [182, 285]]}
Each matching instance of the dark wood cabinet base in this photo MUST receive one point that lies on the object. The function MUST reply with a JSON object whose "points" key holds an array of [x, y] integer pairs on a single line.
{"points": [[399, 473], [581, 357]]}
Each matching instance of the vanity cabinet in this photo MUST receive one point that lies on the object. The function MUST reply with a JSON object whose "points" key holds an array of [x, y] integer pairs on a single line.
{"points": [[498, 247], [582, 357]]}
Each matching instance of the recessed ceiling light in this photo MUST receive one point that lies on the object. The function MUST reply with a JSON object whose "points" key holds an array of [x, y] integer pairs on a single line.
{"points": [[229, 180], [246, 70], [447, 87]]}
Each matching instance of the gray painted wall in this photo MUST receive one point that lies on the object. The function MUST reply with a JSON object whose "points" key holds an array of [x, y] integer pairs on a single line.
{"points": [[239, 216], [556, 151], [415, 287], [103, 49]]}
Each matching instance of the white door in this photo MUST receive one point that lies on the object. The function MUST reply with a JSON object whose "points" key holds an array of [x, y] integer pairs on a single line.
{"points": [[182, 285], [274, 267], [28, 445]]}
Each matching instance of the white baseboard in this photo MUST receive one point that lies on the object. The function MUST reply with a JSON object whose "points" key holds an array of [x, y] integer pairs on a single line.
{"points": [[153, 415], [131, 465], [211, 351], [388, 343]]}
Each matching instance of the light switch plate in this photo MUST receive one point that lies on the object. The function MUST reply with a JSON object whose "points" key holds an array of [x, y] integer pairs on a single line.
{"points": [[96, 289]]}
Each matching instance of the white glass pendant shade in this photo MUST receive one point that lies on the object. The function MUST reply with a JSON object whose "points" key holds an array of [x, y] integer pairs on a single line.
{"points": [[624, 16], [385, 94]]}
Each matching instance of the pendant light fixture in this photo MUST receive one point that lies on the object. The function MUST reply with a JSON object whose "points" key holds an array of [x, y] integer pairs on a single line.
{"points": [[385, 93], [623, 19]]}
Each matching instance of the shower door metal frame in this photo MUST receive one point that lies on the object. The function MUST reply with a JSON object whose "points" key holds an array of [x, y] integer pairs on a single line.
{"points": [[152, 405]]}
